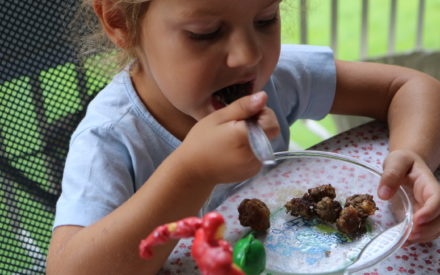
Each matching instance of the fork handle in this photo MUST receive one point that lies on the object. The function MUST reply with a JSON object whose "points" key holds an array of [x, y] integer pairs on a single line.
{"points": [[259, 142]]}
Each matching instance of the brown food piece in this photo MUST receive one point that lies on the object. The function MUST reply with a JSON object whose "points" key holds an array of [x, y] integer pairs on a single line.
{"points": [[328, 209], [364, 204], [300, 207], [319, 202], [350, 222], [322, 191], [254, 213]]}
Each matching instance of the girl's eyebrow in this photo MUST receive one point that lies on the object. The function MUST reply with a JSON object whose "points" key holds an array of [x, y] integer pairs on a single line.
{"points": [[197, 13]]}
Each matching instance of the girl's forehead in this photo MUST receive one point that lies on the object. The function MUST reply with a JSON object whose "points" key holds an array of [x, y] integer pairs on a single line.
{"points": [[194, 8]]}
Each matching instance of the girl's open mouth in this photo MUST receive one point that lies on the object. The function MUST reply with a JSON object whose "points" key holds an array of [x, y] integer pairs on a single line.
{"points": [[227, 95]]}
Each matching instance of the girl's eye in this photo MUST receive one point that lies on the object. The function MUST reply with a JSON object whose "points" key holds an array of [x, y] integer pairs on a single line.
{"points": [[267, 22], [204, 36]]}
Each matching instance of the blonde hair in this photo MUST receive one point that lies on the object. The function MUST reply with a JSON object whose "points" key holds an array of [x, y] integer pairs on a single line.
{"points": [[95, 41]]}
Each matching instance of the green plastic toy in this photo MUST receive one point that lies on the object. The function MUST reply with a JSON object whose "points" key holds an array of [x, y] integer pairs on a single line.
{"points": [[249, 255]]}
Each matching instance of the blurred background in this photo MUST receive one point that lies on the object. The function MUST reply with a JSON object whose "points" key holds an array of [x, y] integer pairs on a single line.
{"points": [[401, 32]]}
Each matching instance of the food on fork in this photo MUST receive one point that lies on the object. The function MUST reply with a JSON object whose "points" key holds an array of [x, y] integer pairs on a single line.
{"points": [[231, 93]]}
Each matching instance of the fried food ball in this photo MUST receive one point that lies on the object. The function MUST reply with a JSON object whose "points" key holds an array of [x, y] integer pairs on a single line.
{"points": [[322, 191], [301, 207], [307, 206], [254, 213], [319, 202], [350, 222], [328, 209], [364, 204]]}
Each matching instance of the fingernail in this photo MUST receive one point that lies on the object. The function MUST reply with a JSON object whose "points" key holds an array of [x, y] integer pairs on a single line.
{"points": [[415, 236], [384, 191], [256, 98]]}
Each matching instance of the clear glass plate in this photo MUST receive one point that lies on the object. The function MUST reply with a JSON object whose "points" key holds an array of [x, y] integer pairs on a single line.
{"points": [[297, 246]]}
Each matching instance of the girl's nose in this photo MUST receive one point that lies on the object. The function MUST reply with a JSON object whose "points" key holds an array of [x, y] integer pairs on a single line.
{"points": [[244, 50]]}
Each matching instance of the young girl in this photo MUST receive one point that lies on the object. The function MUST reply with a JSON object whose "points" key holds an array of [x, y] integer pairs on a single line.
{"points": [[157, 144]]}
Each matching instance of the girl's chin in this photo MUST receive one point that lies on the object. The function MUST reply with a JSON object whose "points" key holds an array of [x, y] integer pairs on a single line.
{"points": [[211, 108], [200, 115]]}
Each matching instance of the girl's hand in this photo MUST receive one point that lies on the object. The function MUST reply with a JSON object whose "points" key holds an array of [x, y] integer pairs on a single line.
{"points": [[217, 149], [403, 167]]}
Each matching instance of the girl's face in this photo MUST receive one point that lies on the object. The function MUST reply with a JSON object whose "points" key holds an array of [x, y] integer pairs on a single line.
{"points": [[191, 49]]}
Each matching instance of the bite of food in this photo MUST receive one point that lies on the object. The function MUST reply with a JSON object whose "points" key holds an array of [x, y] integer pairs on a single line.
{"points": [[231, 93]]}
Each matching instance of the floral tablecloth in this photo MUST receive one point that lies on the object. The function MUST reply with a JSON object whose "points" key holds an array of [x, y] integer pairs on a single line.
{"points": [[369, 144]]}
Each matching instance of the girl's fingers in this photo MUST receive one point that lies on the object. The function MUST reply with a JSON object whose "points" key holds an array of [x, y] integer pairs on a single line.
{"points": [[425, 232], [269, 123], [242, 108], [247, 107], [421, 238], [396, 167], [431, 204]]}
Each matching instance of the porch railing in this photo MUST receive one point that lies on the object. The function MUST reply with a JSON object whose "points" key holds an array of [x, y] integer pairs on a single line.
{"points": [[418, 58], [334, 20]]}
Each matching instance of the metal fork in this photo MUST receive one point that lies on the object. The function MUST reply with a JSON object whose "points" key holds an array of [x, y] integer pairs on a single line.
{"points": [[259, 142]]}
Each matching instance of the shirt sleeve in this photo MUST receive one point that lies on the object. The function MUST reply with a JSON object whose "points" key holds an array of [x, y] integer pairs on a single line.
{"points": [[305, 81], [97, 178]]}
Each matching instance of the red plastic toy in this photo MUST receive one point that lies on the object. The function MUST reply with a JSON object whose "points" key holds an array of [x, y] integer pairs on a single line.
{"points": [[212, 254]]}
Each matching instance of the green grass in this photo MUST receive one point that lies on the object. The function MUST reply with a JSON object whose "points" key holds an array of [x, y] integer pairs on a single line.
{"points": [[302, 137], [349, 28], [349, 31]]}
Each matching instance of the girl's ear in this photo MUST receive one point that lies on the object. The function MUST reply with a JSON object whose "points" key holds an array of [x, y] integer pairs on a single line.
{"points": [[113, 22]]}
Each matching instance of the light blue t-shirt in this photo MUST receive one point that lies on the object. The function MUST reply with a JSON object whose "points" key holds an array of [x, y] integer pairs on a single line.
{"points": [[119, 144]]}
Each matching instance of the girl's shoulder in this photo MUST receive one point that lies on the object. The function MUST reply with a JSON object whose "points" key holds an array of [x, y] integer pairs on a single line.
{"points": [[304, 81], [117, 113], [305, 56], [109, 107]]}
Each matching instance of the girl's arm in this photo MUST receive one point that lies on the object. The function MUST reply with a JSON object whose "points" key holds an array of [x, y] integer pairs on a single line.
{"points": [[410, 102], [110, 246], [215, 150]]}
